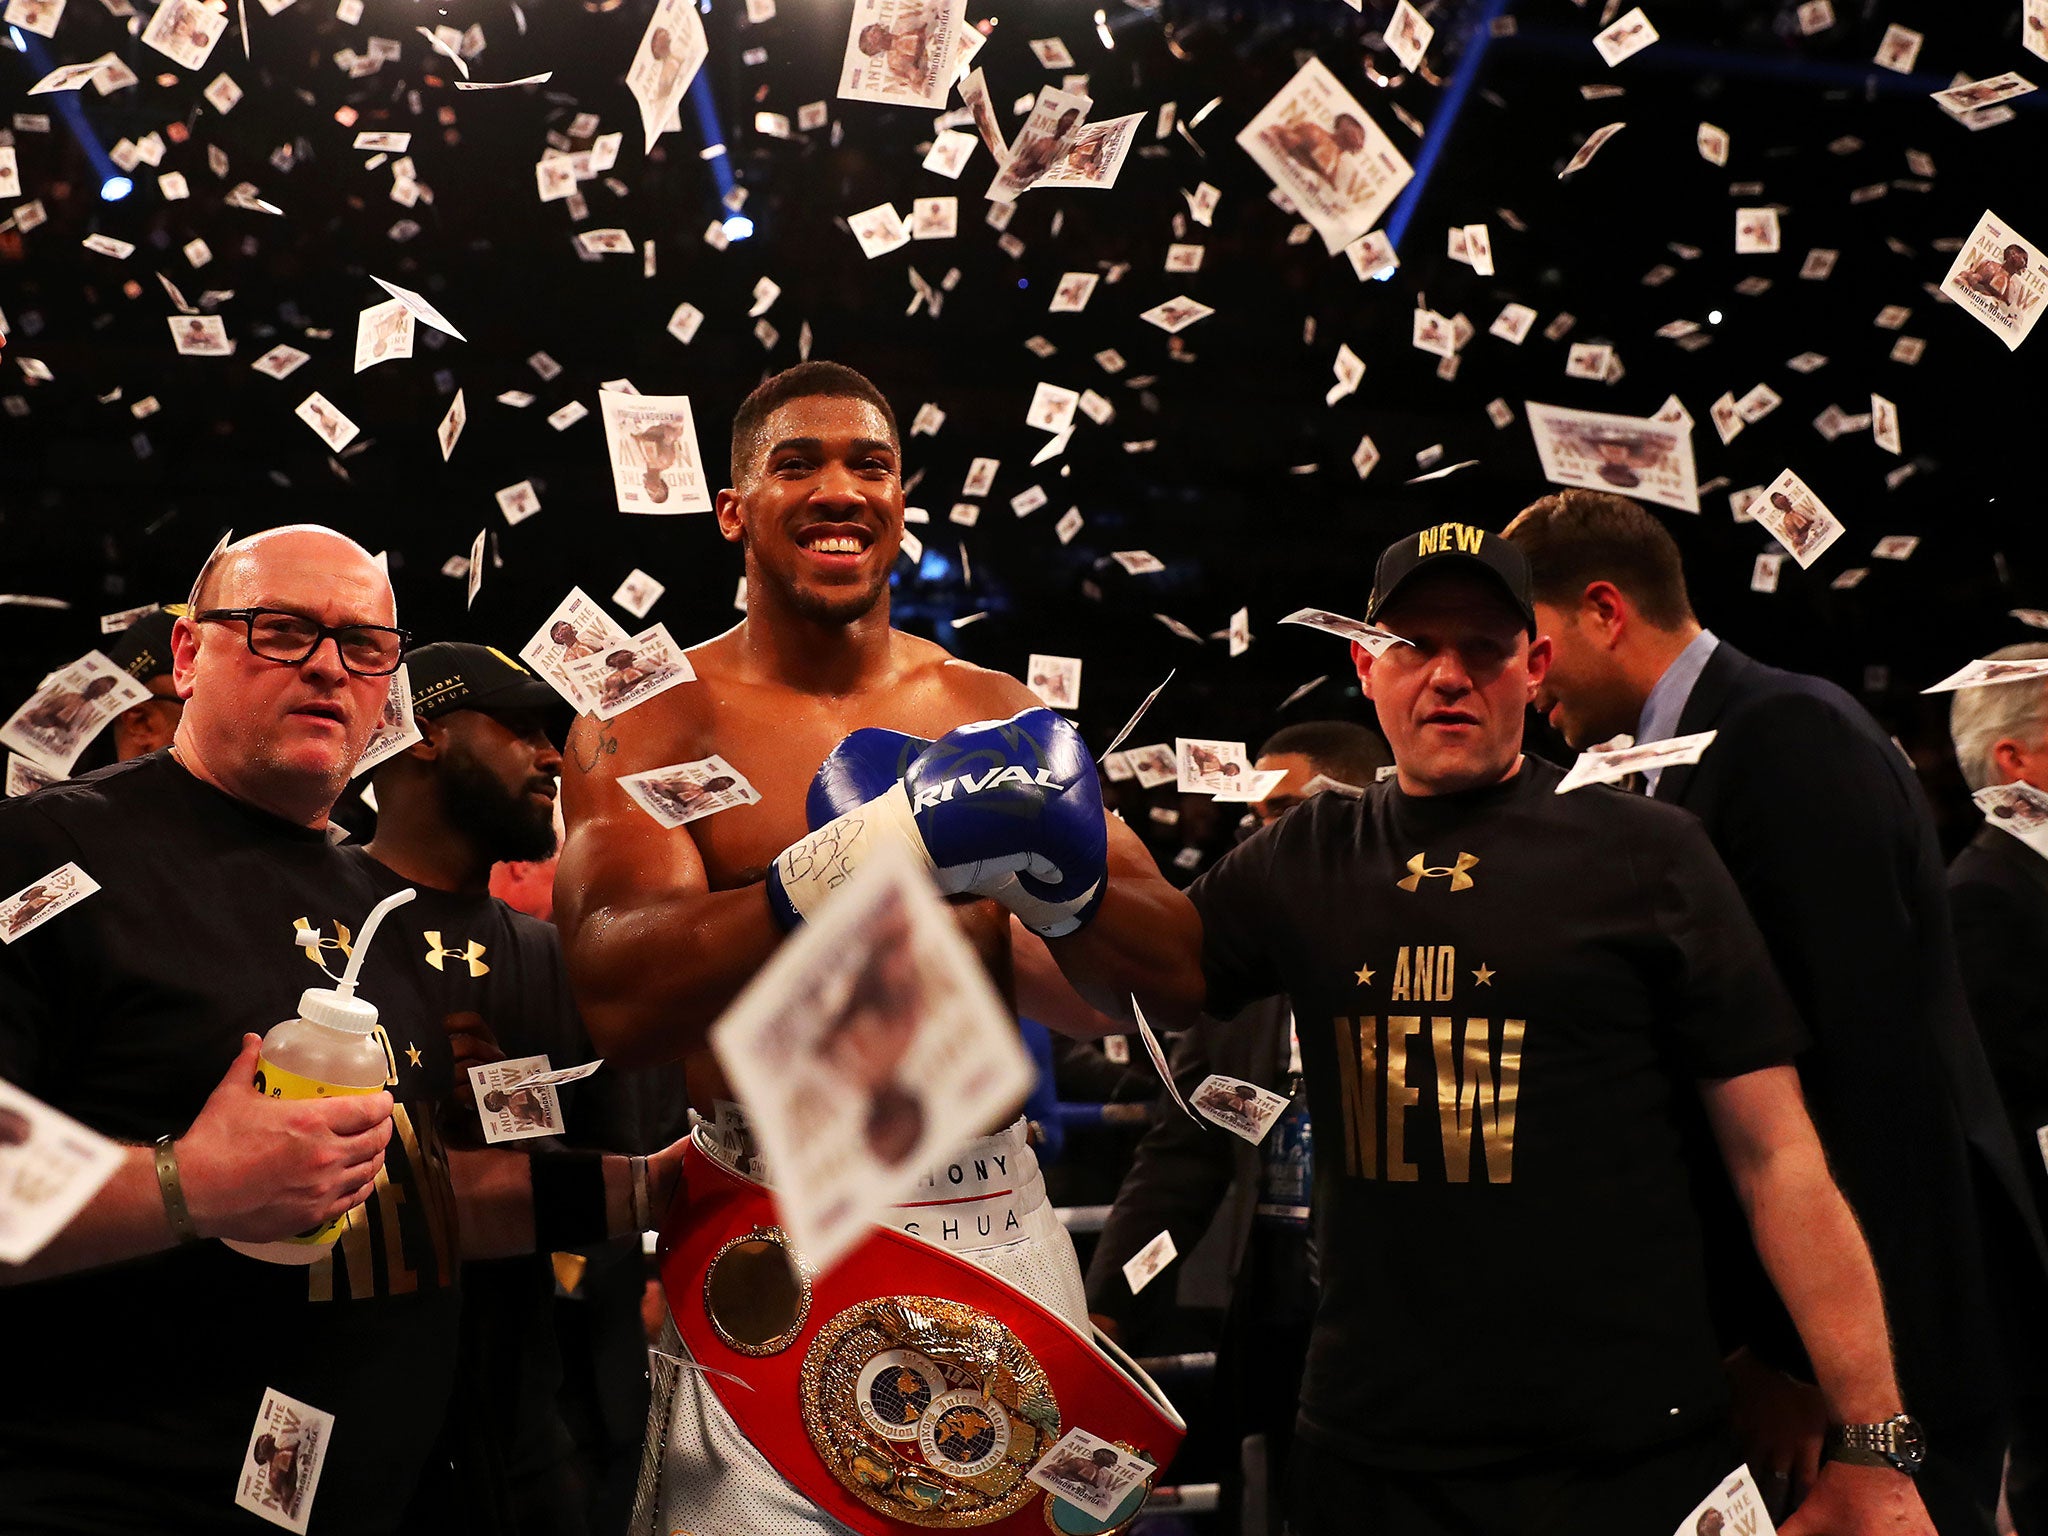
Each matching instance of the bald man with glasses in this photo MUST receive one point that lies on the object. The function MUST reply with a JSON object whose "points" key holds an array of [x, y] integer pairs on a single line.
{"points": [[216, 898]]}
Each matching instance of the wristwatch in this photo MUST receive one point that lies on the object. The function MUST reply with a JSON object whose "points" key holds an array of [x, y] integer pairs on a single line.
{"points": [[1898, 1442]]}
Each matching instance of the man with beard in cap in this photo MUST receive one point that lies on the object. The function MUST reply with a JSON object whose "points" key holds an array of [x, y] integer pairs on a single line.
{"points": [[476, 790], [143, 651]]}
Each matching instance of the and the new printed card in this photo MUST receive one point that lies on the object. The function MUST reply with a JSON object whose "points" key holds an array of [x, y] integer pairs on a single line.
{"points": [[686, 792], [1241, 1108], [1641, 457], [515, 1100], [280, 1471], [73, 705], [1325, 152]]}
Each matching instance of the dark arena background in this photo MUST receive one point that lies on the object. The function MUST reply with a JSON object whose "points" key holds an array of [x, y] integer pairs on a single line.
{"points": [[1222, 458], [1222, 450]]}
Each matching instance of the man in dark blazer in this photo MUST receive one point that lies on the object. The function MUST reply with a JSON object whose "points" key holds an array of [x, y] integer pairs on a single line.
{"points": [[1998, 890], [1817, 815], [1189, 1177]]}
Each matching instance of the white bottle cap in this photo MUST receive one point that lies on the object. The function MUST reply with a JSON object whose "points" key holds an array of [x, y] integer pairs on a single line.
{"points": [[337, 1010]]}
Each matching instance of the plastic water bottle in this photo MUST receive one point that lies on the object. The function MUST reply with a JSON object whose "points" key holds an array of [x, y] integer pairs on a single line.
{"points": [[334, 1047]]}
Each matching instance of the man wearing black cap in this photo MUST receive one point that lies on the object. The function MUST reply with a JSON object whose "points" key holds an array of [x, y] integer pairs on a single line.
{"points": [[1503, 993], [143, 651], [478, 788]]}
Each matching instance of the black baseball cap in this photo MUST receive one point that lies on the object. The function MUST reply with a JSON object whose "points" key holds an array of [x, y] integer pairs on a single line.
{"points": [[453, 674], [143, 649], [1443, 546]]}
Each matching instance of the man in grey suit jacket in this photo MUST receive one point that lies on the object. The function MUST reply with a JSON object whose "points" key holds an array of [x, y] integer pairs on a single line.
{"points": [[1817, 814]]}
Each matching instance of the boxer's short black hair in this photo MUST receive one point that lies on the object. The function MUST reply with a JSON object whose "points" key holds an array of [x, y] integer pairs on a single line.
{"points": [[1343, 749], [832, 380]]}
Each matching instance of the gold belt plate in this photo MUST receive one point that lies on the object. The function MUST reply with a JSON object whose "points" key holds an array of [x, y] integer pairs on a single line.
{"points": [[941, 1433]]}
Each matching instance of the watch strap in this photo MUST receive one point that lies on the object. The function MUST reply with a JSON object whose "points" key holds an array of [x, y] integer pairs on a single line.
{"points": [[1893, 1443], [170, 1184], [1842, 1448]]}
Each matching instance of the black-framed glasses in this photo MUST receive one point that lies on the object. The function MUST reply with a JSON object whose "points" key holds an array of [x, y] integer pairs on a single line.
{"points": [[367, 650]]}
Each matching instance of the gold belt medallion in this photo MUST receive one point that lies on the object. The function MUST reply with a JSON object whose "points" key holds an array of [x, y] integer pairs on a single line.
{"points": [[928, 1411]]}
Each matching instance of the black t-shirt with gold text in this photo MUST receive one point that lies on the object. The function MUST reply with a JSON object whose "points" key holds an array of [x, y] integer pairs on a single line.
{"points": [[124, 1010], [1504, 998]]}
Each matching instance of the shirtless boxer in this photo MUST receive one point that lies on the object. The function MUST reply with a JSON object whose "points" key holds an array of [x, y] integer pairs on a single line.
{"points": [[664, 927]]}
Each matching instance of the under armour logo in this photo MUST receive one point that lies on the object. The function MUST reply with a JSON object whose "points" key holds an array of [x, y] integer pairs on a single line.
{"points": [[1419, 871], [313, 941], [473, 956]]}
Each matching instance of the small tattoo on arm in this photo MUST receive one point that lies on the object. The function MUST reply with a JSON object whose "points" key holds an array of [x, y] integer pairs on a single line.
{"points": [[587, 755]]}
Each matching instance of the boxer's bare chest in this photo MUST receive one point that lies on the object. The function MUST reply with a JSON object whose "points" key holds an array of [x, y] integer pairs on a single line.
{"points": [[776, 737]]}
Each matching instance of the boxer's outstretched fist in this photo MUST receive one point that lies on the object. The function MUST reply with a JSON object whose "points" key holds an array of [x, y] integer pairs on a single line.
{"points": [[1009, 809]]}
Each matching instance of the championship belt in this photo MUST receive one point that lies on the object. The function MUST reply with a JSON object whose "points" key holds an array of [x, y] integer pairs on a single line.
{"points": [[905, 1387]]}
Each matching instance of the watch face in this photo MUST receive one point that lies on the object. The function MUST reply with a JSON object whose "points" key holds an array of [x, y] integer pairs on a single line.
{"points": [[1909, 1440]]}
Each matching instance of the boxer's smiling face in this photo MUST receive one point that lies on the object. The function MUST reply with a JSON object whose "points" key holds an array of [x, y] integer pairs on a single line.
{"points": [[821, 509]]}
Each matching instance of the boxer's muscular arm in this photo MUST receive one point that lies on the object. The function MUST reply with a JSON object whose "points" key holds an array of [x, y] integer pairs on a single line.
{"points": [[1145, 938], [654, 954], [1045, 996]]}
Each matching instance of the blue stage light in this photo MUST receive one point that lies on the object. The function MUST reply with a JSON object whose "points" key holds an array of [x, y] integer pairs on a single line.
{"points": [[114, 188], [738, 227]]}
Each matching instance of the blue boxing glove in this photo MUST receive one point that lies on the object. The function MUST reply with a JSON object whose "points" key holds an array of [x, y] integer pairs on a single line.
{"points": [[1006, 809], [1012, 809], [864, 766], [848, 820]]}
